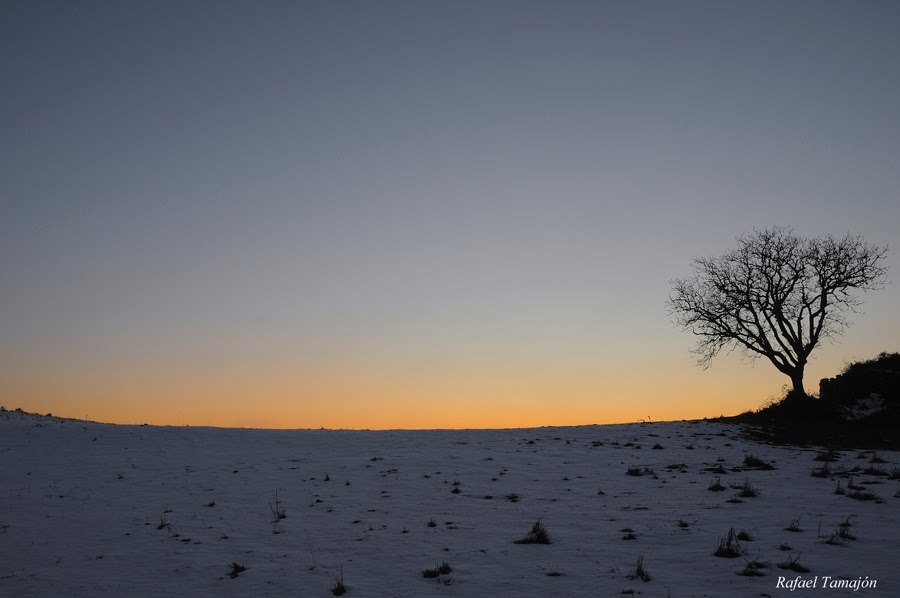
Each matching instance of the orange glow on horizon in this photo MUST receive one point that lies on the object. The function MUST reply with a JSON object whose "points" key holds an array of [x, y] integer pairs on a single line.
{"points": [[462, 396]]}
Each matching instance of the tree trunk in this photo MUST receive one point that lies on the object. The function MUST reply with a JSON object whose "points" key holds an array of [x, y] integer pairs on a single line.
{"points": [[798, 392]]}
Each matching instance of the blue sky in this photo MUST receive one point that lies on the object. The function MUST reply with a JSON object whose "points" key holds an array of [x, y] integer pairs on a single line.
{"points": [[363, 208]]}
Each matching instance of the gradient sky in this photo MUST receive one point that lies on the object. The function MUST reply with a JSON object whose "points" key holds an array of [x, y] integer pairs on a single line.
{"points": [[420, 214]]}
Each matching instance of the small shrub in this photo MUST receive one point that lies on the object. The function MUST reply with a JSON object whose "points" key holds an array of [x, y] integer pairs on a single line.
{"points": [[716, 486], [875, 471], [729, 547], [821, 472], [784, 546], [682, 523], [638, 471], [276, 507], [794, 526], [752, 568], [235, 569], [793, 564], [536, 535], [876, 459], [431, 523], [839, 489], [863, 495], [747, 490], [842, 533], [829, 456], [339, 589], [639, 571], [442, 569], [752, 462], [745, 536], [657, 447]]}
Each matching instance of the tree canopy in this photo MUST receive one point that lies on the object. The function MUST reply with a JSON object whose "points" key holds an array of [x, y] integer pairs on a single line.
{"points": [[776, 295]]}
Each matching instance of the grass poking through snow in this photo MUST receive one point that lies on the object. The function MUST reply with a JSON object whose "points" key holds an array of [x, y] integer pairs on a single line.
{"points": [[536, 535]]}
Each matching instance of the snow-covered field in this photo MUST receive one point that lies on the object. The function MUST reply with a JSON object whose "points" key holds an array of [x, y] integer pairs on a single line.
{"points": [[93, 509]]}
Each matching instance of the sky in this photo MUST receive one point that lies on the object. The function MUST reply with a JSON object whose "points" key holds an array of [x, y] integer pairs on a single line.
{"points": [[420, 214]]}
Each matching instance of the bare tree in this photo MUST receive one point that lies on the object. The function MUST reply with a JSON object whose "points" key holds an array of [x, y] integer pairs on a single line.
{"points": [[776, 295]]}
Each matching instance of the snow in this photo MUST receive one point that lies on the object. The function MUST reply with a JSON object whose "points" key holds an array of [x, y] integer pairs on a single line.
{"points": [[91, 509], [863, 408]]}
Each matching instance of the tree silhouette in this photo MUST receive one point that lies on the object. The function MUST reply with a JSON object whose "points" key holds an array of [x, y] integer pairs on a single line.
{"points": [[777, 295]]}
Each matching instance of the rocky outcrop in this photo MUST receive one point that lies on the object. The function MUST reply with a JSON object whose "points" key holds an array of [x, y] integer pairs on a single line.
{"points": [[865, 389]]}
